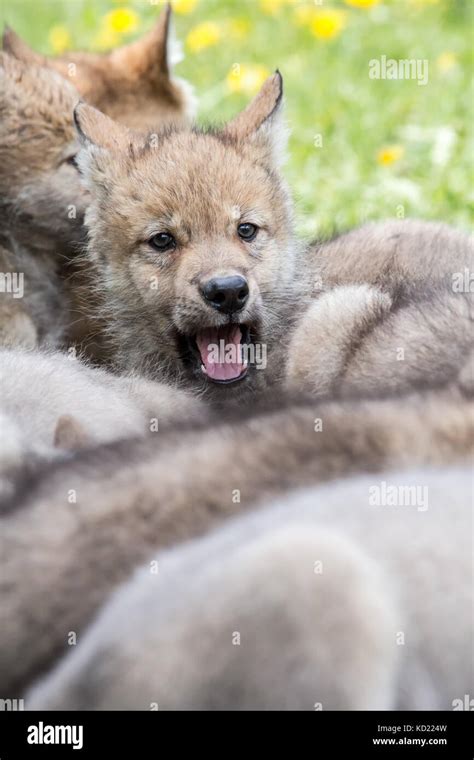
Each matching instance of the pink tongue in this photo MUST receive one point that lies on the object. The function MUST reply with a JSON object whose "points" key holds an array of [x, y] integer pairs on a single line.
{"points": [[221, 352]]}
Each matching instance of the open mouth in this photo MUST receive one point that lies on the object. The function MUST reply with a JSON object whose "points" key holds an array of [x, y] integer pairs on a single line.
{"points": [[221, 352]]}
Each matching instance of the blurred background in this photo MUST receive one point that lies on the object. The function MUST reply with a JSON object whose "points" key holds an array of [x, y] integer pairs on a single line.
{"points": [[360, 148]]}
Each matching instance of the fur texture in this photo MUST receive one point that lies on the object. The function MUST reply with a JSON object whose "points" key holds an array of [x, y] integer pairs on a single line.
{"points": [[133, 83], [133, 498], [394, 306], [386, 314], [52, 404], [198, 186], [321, 601], [42, 203], [34, 309], [36, 173]]}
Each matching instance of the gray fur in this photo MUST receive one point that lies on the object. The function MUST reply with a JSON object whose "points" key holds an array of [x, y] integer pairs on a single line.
{"points": [[135, 497], [321, 601], [43, 393], [393, 307]]}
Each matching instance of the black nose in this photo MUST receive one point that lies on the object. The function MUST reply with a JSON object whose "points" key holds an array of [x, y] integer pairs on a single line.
{"points": [[226, 294]]}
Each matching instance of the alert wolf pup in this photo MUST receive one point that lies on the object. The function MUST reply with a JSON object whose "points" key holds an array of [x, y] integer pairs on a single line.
{"points": [[193, 240]]}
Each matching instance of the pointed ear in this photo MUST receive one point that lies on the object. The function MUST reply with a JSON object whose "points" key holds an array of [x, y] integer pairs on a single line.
{"points": [[147, 56], [261, 124], [95, 128], [15, 46], [106, 145]]}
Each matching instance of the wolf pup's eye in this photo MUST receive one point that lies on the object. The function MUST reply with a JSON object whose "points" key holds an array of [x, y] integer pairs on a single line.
{"points": [[247, 231], [163, 241]]}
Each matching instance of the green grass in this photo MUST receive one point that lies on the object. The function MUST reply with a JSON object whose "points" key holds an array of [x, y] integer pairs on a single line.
{"points": [[329, 93]]}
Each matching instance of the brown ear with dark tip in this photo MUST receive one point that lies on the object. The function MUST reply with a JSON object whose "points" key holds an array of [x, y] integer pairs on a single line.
{"points": [[259, 110], [15, 46], [94, 127], [147, 56], [260, 126]]}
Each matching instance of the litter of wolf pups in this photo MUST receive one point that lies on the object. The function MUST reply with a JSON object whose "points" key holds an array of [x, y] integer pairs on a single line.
{"points": [[235, 465]]}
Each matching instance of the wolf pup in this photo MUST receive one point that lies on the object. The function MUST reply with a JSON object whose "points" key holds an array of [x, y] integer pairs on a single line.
{"points": [[203, 280], [133, 84], [42, 203], [192, 237]]}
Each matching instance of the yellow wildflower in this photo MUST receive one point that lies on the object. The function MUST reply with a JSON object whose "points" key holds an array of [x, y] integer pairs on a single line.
{"points": [[202, 36], [390, 154], [121, 21], [239, 28], [59, 39], [446, 61], [327, 24], [247, 78], [184, 6], [362, 3]]}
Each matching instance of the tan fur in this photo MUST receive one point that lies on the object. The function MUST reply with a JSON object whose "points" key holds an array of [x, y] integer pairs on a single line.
{"points": [[136, 497], [42, 206], [198, 186], [38, 184], [41, 200], [132, 84], [37, 141], [385, 315]]}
